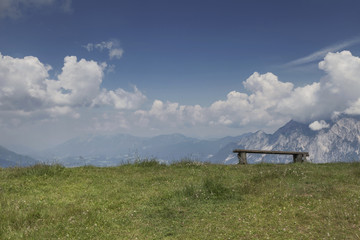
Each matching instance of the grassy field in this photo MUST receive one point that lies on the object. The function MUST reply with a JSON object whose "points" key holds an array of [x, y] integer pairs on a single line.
{"points": [[186, 200]]}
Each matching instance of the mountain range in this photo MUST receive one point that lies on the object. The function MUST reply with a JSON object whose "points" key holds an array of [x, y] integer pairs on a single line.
{"points": [[109, 150], [339, 140]]}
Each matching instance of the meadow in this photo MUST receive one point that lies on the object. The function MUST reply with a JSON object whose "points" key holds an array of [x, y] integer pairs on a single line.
{"points": [[184, 200]]}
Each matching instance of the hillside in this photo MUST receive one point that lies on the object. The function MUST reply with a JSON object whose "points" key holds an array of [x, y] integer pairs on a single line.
{"points": [[181, 201], [11, 159]]}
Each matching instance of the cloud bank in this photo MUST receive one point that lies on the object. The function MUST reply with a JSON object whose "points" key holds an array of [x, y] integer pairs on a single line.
{"points": [[28, 92], [27, 89], [271, 102]]}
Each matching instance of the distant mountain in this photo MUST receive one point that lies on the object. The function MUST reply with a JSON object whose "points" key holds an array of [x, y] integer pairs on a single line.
{"points": [[12, 159], [109, 150], [339, 142]]}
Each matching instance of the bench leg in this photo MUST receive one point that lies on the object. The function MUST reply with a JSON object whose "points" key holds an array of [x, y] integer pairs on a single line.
{"points": [[299, 158], [242, 158]]}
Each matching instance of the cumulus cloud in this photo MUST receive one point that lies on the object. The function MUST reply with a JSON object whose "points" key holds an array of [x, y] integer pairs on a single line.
{"points": [[271, 102], [341, 86], [318, 125], [112, 46], [120, 98], [354, 108], [26, 87], [266, 102], [239, 109], [169, 113], [23, 84], [78, 84], [267, 89], [15, 8]]}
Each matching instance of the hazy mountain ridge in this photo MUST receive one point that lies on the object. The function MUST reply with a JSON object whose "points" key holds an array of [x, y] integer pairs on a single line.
{"points": [[108, 150], [339, 142], [11, 159]]}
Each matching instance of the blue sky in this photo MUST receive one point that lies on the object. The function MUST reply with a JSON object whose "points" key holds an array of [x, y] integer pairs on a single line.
{"points": [[201, 68]]}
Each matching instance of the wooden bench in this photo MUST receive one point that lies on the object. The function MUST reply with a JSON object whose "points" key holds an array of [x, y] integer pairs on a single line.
{"points": [[297, 156]]}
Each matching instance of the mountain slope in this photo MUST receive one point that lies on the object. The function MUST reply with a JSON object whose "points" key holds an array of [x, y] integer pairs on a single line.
{"points": [[12, 159], [339, 142], [109, 150]]}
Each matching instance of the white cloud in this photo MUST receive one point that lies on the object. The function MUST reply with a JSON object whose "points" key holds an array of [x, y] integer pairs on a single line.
{"points": [[25, 87], [112, 46], [241, 109], [321, 53], [271, 102], [28, 92], [300, 104], [354, 108], [267, 89], [318, 125], [173, 114], [120, 98], [57, 111], [89, 47], [23, 84], [15, 8], [78, 84], [340, 88], [116, 53], [105, 45]]}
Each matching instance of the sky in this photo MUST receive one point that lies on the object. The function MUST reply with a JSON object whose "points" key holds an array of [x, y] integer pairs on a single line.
{"points": [[202, 68]]}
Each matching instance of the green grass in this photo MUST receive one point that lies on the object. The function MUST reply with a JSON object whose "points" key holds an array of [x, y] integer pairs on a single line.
{"points": [[185, 200]]}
